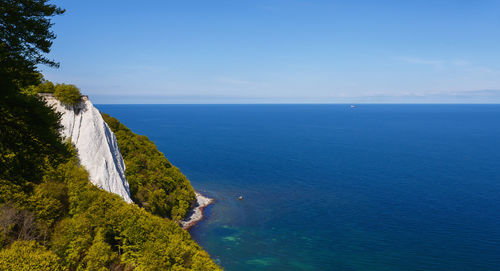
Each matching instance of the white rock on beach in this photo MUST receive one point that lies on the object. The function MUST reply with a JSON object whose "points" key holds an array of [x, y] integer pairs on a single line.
{"points": [[96, 145], [197, 213]]}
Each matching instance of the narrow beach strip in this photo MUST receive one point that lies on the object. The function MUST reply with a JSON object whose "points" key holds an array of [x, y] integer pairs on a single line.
{"points": [[197, 213]]}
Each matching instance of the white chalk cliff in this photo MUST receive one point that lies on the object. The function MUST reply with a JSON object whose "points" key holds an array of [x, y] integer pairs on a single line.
{"points": [[96, 145]]}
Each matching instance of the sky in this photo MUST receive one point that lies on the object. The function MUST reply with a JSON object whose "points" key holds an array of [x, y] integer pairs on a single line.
{"points": [[279, 51]]}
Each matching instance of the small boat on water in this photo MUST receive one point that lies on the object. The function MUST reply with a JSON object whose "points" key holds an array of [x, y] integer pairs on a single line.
{"points": [[353, 106]]}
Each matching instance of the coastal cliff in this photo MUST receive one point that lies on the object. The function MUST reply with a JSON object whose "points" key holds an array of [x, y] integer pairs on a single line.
{"points": [[97, 146], [95, 143], [54, 216], [55, 157], [155, 184]]}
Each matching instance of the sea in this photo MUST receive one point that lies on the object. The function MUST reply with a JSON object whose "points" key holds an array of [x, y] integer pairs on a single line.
{"points": [[335, 187]]}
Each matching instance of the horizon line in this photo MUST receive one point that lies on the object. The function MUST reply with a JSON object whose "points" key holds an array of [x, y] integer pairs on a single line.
{"points": [[362, 103]]}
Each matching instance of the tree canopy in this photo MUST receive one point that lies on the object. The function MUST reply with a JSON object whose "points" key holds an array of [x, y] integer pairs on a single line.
{"points": [[155, 183], [25, 39], [67, 94], [28, 255]]}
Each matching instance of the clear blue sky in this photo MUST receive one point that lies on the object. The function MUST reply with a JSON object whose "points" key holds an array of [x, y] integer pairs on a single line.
{"points": [[268, 51]]}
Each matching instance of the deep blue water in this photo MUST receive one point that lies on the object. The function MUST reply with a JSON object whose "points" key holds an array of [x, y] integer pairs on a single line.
{"points": [[327, 187]]}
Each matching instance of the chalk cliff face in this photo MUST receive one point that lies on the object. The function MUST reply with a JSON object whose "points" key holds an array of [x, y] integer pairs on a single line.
{"points": [[96, 145]]}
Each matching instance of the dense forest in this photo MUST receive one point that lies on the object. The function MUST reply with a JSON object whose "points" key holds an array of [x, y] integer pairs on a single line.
{"points": [[51, 216], [155, 183]]}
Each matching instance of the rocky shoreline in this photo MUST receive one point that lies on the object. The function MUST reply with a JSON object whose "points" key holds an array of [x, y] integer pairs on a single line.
{"points": [[197, 213]]}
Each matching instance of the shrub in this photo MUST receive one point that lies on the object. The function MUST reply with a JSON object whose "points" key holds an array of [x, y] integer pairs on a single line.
{"points": [[28, 255], [68, 94], [46, 87]]}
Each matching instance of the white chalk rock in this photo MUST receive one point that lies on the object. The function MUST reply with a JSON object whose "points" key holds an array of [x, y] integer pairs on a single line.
{"points": [[96, 145]]}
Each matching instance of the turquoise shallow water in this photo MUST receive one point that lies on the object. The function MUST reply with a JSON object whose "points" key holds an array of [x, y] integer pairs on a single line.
{"points": [[327, 187]]}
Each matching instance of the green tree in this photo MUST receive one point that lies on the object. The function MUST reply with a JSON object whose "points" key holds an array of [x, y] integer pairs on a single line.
{"points": [[101, 226], [25, 39], [28, 129], [100, 255], [28, 255], [68, 94], [49, 202], [30, 141], [155, 183], [44, 87]]}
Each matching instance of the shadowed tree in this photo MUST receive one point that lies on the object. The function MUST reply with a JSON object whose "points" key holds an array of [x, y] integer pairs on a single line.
{"points": [[28, 129], [25, 39]]}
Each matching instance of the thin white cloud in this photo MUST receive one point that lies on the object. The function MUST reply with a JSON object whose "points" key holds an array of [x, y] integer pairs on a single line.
{"points": [[460, 63], [457, 63], [232, 81], [416, 60]]}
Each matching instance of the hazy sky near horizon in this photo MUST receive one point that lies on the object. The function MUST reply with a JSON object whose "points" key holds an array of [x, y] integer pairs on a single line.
{"points": [[279, 51]]}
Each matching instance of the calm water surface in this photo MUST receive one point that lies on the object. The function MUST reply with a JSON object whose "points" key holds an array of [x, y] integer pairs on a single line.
{"points": [[327, 187]]}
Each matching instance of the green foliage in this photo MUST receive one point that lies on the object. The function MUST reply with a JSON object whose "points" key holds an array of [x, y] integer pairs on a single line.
{"points": [[104, 230], [49, 202], [28, 255], [100, 255], [30, 145], [67, 94], [30, 140], [155, 183], [25, 39], [12, 192], [45, 86], [54, 204]]}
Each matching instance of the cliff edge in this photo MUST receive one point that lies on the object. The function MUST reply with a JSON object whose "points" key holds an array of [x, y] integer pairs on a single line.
{"points": [[95, 143]]}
